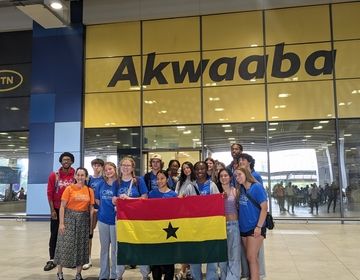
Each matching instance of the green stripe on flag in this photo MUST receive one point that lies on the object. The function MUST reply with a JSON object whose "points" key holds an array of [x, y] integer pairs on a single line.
{"points": [[171, 253]]}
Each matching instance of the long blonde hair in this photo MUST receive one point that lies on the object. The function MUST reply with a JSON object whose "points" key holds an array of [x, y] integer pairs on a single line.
{"points": [[112, 165], [132, 161]]}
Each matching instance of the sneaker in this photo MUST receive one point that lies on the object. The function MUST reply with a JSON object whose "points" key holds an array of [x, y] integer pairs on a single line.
{"points": [[60, 276], [49, 266], [78, 276], [87, 266]]}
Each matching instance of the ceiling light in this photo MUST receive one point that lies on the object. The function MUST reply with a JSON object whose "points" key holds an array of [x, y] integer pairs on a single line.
{"points": [[284, 95], [274, 123], [307, 136], [14, 109], [252, 129], [355, 91], [341, 104], [274, 117], [231, 138], [196, 139], [123, 129], [116, 142], [228, 130], [323, 121], [4, 133], [226, 125], [134, 133], [318, 127], [253, 45], [56, 5], [219, 109], [347, 135], [181, 127], [329, 115], [272, 129], [187, 132], [214, 98]]}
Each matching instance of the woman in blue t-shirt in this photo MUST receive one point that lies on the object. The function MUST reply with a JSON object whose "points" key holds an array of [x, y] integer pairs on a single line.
{"points": [[163, 191], [251, 218], [129, 186], [106, 221]]}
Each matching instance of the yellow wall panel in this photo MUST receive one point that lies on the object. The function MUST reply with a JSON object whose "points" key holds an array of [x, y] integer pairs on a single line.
{"points": [[297, 101], [297, 25], [347, 59], [232, 30], [171, 35], [348, 98], [169, 107], [116, 39], [99, 74], [112, 109], [346, 21], [234, 104]]}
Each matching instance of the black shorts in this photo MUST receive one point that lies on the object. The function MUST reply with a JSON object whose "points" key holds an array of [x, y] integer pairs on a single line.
{"points": [[251, 232]]}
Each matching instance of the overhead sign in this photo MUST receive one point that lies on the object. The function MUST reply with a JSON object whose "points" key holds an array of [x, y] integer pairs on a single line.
{"points": [[320, 62], [10, 80]]}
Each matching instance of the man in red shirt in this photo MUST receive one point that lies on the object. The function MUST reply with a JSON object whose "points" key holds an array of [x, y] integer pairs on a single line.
{"points": [[57, 183]]}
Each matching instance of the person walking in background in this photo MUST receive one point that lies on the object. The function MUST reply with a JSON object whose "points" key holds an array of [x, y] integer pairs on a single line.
{"points": [[57, 183], [333, 195], [107, 231], [77, 205], [94, 180], [314, 198]]}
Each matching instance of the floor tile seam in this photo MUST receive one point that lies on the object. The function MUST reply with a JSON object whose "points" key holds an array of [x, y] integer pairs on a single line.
{"points": [[317, 236]]}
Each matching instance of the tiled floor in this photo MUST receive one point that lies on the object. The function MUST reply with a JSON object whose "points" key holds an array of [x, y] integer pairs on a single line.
{"points": [[293, 251]]}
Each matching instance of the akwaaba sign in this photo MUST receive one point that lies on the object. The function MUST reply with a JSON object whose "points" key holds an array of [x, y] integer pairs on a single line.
{"points": [[320, 62], [10, 80]]}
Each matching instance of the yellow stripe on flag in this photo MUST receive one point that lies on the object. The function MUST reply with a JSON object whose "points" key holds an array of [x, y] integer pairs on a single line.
{"points": [[173, 230]]}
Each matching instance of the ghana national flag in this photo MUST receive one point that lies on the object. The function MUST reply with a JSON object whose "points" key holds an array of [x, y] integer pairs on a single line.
{"points": [[171, 230]]}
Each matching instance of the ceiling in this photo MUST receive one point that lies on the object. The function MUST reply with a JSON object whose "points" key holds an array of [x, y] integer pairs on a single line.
{"points": [[105, 11]]}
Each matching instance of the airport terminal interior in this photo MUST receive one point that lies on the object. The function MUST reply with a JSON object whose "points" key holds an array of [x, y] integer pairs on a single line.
{"points": [[186, 80]]}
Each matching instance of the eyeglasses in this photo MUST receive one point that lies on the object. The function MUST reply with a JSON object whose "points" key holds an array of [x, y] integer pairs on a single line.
{"points": [[126, 165]]}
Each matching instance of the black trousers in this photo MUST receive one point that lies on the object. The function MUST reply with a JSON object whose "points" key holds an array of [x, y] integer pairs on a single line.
{"points": [[54, 228], [159, 270]]}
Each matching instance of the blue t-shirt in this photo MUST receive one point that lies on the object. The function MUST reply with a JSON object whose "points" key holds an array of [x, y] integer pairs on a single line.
{"points": [[93, 183], [157, 194], [153, 180], [137, 189], [171, 182], [204, 188], [248, 212], [257, 176], [104, 193]]}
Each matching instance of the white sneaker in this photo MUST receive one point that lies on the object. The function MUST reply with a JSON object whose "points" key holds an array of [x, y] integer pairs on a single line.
{"points": [[87, 266]]}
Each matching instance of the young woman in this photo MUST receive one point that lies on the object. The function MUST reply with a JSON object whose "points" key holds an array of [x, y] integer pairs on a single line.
{"points": [[173, 170], [184, 187], [231, 270], [211, 170], [205, 187], [77, 206], [251, 218], [187, 181], [106, 220], [129, 186], [163, 191]]}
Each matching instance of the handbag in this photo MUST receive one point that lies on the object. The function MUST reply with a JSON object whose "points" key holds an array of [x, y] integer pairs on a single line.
{"points": [[269, 221]]}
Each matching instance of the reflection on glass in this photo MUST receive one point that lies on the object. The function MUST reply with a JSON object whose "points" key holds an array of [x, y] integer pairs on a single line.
{"points": [[13, 171], [350, 171], [303, 168], [172, 137], [112, 144]]}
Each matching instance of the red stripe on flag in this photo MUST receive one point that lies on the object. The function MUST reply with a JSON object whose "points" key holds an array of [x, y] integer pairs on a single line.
{"points": [[170, 208]]}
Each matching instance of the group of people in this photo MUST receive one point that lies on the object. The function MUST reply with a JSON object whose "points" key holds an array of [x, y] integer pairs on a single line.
{"points": [[76, 210]]}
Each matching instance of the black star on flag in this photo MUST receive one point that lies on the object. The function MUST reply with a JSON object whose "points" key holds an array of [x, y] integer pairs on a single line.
{"points": [[171, 231]]}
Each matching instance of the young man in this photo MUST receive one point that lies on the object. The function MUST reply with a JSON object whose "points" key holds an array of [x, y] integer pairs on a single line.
{"points": [[236, 150], [248, 162], [94, 180], [156, 165], [57, 183]]}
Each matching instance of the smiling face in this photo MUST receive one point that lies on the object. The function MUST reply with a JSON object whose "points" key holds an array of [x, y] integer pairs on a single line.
{"points": [[240, 176], [110, 171], [200, 171], [126, 167], [81, 176], [186, 170], [161, 180], [210, 164], [235, 151], [66, 162], [224, 177]]}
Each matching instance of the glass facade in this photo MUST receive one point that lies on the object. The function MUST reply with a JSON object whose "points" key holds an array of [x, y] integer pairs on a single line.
{"points": [[283, 82]]}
